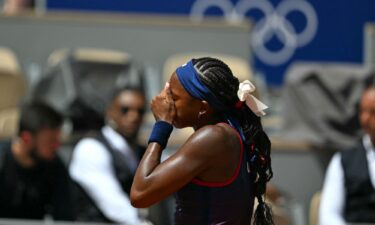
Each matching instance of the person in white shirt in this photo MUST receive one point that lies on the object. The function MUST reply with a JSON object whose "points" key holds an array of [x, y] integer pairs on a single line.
{"points": [[103, 166], [348, 194]]}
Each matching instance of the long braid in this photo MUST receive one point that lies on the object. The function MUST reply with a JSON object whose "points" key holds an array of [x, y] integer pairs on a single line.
{"points": [[219, 79]]}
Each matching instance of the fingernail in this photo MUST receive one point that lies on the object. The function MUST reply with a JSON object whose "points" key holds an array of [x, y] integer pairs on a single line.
{"points": [[166, 85]]}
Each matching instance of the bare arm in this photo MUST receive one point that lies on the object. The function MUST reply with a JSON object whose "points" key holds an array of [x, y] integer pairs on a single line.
{"points": [[155, 181]]}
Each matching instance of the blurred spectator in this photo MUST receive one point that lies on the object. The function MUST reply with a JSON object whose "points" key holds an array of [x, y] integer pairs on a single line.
{"points": [[349, 189], [33, 180], [17, 6], [103, 166], [277, 200]]}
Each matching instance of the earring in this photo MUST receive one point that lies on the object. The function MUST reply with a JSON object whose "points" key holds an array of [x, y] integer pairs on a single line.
{"points": [[200, 115]]}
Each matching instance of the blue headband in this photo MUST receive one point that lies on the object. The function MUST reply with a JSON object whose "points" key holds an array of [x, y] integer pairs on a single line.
{"points": [[189, 79]]}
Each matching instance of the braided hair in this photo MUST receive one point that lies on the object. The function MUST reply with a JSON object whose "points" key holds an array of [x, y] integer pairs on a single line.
{"points": [[219, 79]]}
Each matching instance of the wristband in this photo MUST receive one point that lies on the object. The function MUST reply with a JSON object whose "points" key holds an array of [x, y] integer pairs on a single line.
{"points": [[160, 133]]}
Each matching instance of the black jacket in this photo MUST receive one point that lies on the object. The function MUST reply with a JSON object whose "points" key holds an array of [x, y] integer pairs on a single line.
{"points": [[31, 193], [86, 208], [359, 191]]}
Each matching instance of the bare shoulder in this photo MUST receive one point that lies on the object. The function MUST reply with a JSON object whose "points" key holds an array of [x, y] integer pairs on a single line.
{"points": [[213, 138]]}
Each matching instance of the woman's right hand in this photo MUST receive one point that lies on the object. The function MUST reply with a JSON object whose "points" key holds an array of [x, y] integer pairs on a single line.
{"points": [[163, 107]]}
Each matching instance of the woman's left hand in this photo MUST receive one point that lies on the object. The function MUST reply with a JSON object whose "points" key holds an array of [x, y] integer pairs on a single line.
{"points": [[163, 107]]}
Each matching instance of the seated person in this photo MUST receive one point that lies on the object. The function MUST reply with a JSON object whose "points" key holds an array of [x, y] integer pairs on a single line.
{"points": [[33, 180], [348, 194], [103, 166]]}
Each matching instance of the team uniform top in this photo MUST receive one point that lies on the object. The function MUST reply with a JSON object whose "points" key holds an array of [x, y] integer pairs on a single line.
{"points": [[226, 203]]}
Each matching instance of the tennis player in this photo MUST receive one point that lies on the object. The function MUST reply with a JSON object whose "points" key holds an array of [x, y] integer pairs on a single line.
{"points": [[225, 164]]}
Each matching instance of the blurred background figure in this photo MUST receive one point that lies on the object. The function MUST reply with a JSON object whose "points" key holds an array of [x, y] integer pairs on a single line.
{"points": [[17, 6], [348, 193], [103, 166], [34, 181], [277, 199]]}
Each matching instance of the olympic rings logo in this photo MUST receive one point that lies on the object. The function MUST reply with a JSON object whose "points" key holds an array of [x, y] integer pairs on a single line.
{"points": [[274, 22]]}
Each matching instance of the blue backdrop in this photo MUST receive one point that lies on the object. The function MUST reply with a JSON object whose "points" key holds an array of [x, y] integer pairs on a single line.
{"points": [[285, 30]]}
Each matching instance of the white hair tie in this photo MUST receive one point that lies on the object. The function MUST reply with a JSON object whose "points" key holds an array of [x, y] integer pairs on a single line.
{"points": [[244, 93]]}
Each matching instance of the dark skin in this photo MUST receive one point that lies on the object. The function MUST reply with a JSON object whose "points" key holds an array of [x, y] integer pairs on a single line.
{"points": [[211, 154], [367, 113], [127, 123]]}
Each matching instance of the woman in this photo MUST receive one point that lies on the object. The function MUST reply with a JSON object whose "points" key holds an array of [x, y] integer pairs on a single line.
{"points": [[219, 170]]}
